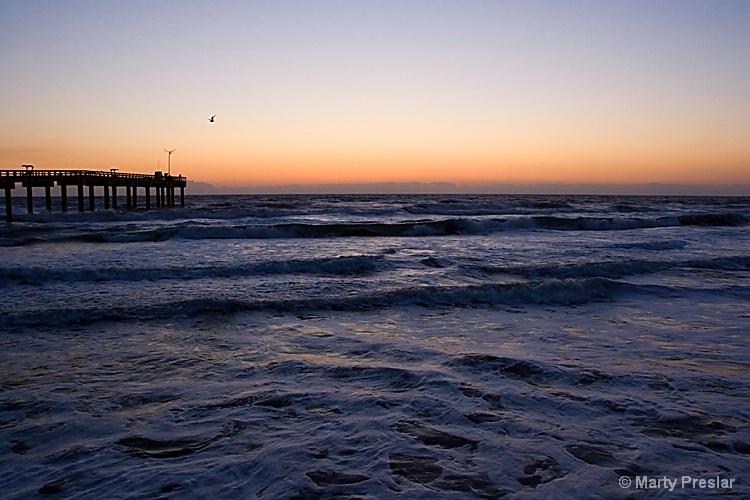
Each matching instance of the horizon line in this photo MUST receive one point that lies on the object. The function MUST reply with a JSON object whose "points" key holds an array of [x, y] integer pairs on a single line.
{"points": [[537, 188]]}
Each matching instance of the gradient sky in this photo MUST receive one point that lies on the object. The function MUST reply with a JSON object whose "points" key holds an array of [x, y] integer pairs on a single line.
{"points": [[326, 92]]}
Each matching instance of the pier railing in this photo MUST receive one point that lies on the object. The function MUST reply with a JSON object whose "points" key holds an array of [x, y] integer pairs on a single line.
{"points": [[163, 184], [20, 175]]}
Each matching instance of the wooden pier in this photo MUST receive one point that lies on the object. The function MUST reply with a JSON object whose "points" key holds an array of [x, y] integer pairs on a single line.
{"points": [[164, 186]]}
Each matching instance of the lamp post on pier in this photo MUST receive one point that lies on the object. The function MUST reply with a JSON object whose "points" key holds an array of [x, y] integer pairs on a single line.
{"points": [[169, 161]]}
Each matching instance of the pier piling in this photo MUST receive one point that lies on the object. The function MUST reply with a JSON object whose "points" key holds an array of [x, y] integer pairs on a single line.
{"points": [[80, 197], [64, 197], [29, 199], [8, 205]]}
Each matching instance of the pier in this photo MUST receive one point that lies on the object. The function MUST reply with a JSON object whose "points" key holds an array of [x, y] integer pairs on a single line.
{"points": [[164, 186]]}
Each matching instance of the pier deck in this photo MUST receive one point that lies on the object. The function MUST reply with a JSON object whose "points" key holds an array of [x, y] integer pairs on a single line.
{"points": [[164, 186]]}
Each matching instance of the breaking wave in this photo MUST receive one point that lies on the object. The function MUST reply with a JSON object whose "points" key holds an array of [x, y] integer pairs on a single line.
{"points": [[412, 228]]}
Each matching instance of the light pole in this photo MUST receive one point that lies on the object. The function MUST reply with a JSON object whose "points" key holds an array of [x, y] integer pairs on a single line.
{"points": [[169, 162]]}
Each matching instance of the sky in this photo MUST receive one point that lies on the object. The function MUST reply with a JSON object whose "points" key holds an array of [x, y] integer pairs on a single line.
{"points": [[480, 95]]}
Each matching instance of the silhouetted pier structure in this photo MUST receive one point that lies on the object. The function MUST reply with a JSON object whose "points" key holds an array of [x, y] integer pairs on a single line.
{"points": [[164, 186]]}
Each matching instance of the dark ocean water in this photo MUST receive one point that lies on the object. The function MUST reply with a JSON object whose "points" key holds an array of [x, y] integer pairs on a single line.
{"points": [[405, 346]]}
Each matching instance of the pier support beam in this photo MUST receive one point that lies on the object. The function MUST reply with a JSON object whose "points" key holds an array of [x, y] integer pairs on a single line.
{"points": [[8, 205], [92, 205], [182, 196], [148, 197], [48, 198], [135, 196], [80, 196], [106, 197], [114, 196], [64, 197], [129, 196], [29, 199]]}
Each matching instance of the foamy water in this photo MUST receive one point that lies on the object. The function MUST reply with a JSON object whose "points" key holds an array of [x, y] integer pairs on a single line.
{"points": [[377, 347]]}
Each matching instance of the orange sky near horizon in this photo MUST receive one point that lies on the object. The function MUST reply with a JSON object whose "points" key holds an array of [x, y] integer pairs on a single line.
{"points": [[373, 92]]}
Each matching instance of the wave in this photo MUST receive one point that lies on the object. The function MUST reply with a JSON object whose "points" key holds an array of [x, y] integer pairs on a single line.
{"points": [[614, 269], [625, 223], [345, 265], [451, 226], [531, 372], [413, 228], [367, 265], [722, 219], [653, 245], [547, 292]]}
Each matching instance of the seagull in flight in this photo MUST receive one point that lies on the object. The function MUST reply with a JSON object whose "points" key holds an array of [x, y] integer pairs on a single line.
{"points": [[211, 119]]}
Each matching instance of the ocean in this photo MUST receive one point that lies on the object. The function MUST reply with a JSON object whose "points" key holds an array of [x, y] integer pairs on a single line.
{"points": [[389, 346]]}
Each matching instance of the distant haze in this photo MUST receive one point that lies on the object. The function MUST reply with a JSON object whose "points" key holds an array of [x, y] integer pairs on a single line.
{"points": [[451, 188]]}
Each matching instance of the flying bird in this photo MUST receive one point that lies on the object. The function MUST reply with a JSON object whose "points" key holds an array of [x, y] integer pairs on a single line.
{"points": [[211, 119]]}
